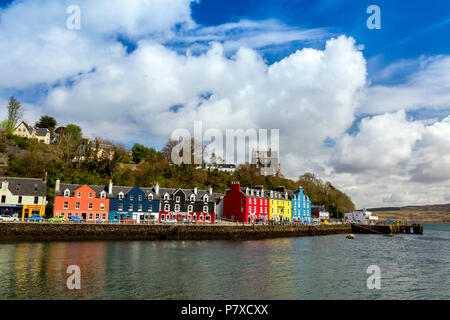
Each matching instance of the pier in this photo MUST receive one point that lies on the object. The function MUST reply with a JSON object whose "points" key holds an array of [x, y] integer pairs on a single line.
{"points": [[388, 229]]}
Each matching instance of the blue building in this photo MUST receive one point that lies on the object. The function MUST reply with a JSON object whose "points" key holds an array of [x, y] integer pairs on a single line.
{"points": [[301, 207], [140, 204]]}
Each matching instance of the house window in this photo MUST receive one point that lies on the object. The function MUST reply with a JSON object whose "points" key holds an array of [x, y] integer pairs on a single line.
{"points": [[102, 206], [163, 217], [103, 195], [121, 196], [130, 207], [149, 208], [190, 208], [69, 215], [139, 198], [166, 207], [66, 193], [116, 217], [77, 205], [120, 206], [66, 204], [150, 197], [131, 197], [90, 195], [200, 218], [97, 216], [205, 198], [166, 197], [177, 199], [177, 208], [139, 207], [194, 216], [90, 216], [104, 216], [208, 218], [192, 198], [205, 209], [90, 205], [20, 199]]}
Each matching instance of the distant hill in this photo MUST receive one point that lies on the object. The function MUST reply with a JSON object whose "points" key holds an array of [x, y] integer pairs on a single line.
{"points": [[437, 213]]}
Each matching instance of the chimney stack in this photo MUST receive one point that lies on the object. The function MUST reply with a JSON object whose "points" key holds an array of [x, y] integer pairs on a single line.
{"points": [[210, 190], [157, 188], [57, 185], [110, 186], [195, 190]]}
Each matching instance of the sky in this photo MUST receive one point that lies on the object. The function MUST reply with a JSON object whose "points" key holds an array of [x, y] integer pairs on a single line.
{"points": [[367, 109]]}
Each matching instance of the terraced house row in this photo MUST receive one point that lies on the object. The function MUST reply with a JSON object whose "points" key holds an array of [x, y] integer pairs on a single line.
{"points": [[252, 205], [25, 197], [118, 203]]}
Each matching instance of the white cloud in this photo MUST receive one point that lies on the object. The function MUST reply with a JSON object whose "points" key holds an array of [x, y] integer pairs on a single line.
{"points": [[309, 95], [428, 87]]}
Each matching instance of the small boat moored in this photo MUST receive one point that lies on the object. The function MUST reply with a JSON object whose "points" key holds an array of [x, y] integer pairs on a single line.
{"points": [[350, 236]]}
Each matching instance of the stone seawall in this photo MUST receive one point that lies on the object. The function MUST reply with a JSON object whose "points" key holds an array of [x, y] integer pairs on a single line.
{"points": [[81, 232]]}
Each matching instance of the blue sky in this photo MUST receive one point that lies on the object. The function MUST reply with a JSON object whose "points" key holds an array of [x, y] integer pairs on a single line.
{"points": [[409, 28]]}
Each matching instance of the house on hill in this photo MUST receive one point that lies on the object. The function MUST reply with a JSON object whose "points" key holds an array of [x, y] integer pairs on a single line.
{"points": [[25, 130]]}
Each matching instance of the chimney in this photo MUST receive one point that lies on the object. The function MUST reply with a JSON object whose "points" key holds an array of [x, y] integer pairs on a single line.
{"points": [[110, 186], [157, 188], [210, 190], [195, 190], [235, 186], [57, 185]]}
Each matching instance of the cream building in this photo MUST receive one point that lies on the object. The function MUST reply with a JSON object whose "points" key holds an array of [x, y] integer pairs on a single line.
{"points": [[25, 130], [24, 196]]}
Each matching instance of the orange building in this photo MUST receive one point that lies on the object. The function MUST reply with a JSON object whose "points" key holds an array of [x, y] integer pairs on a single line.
{"points": [[87, 202]]}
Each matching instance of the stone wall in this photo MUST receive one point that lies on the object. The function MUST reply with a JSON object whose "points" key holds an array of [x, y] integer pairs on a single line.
{"points": [[82, 231]]}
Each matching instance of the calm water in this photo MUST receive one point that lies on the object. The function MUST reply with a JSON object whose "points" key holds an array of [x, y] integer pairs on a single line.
{"points": [[329, 267]]}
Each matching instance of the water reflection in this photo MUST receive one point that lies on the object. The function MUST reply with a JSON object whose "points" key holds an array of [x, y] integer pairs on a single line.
{"points": [[330, 267]]}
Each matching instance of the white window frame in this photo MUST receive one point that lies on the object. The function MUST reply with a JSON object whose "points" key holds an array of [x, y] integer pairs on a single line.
{"points": [[66, 193]]}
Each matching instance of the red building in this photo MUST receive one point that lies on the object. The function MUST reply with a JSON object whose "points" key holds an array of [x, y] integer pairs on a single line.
{"points": [[248, 205]]}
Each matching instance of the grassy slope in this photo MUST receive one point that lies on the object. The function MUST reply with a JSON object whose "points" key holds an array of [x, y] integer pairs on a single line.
{"points": [[430, 214]]}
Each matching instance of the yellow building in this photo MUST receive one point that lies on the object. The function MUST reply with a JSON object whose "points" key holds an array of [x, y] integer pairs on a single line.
{"points": [[280, 207], [25, 130]]}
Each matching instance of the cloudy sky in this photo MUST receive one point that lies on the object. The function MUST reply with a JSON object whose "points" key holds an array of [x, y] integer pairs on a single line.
{"points": [[366, 109]]}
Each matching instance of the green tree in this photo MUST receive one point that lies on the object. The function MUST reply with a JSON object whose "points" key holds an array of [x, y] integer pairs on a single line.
{"points": [[139, 152], [15, 111]]}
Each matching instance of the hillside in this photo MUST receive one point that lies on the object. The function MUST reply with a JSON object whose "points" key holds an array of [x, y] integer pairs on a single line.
{"points": [[439, 213]]}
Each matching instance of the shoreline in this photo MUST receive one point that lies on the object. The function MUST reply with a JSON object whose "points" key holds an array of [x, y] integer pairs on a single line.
{"points": [[11, 231]]}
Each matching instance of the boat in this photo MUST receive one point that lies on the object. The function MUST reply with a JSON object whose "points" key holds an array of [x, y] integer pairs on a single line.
{"points": [[350, 236]]}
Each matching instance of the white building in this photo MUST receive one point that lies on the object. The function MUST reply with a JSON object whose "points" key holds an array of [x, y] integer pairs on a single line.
{"points": [[360, 217]]}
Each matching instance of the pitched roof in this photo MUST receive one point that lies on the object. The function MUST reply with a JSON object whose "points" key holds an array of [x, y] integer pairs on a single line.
{"points": [[26, 186], [42, 131]]}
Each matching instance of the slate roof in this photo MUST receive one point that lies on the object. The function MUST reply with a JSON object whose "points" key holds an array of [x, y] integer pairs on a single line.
{"points": [[26, 186], [42, 132]]}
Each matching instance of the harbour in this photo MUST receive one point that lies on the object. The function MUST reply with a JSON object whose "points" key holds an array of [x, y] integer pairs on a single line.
{"points": [[323, 268]]}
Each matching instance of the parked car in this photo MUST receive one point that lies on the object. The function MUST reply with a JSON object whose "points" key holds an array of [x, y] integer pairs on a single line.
{"points": [[128, 221], [57, 219], [35, 218], [14, 217], [77, 219], [98, 221]]}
